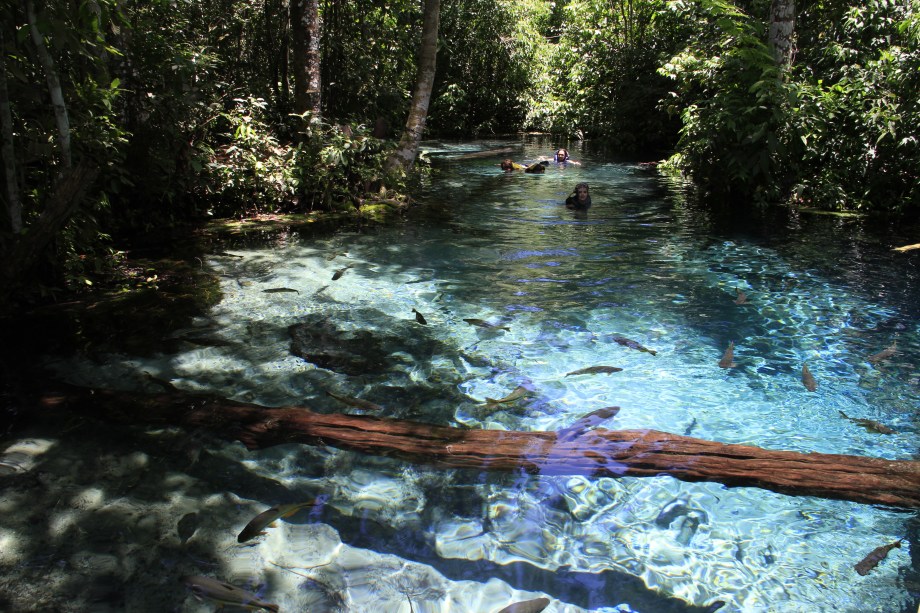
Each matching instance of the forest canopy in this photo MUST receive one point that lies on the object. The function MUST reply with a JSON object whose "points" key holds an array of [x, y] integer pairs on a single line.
{"points": [[120, 117]]}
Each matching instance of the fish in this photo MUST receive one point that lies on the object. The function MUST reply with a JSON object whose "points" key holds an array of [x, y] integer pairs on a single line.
{"points": [[279, 290], [884, 354], [480, 323], [518, 393], [808, 380], [875, 556], [620, 340], [594, 370], [728, 357], [225, 594], [742, 297], [869, 424], [420, 318], [356, 402], [338, 274], [589, 421], [264, 519], [527, 606]]}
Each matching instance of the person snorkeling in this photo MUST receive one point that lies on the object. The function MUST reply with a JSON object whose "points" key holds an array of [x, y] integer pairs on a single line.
{"points": [[537, 167], [562, 157], [580, 200]]}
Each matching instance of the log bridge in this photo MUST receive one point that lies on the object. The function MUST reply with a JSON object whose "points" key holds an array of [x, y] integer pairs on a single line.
{"points": [[595, 453]]}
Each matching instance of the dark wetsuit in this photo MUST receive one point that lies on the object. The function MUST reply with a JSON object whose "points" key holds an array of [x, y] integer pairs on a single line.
{"points": [[572, 203]]}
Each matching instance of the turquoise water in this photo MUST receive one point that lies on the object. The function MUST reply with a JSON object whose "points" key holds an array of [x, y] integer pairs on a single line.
{"points": [[643, 263]]}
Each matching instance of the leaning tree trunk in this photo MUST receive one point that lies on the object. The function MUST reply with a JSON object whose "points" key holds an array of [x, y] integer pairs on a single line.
{"points": [[305, 35], [782, 31], [13, 203], [54, 85], [595, 453], [404, 156]]}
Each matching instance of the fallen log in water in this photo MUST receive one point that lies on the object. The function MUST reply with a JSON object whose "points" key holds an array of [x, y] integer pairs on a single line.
{"points": [[598, 453], [483, 154]]}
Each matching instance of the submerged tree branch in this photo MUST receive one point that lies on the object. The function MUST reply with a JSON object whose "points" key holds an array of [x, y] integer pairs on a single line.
{"points": [[596, 453]]}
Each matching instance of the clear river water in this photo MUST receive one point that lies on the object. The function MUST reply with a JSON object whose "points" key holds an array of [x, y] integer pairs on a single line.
{"points": [[644, 263]]}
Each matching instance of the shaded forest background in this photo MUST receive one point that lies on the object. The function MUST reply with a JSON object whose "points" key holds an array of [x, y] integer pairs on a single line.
{"points": [[124, 117]]}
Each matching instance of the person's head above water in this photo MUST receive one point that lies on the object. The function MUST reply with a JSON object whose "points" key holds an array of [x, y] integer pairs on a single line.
{"points": [[507, 165], [562, 154], [580, 198]]}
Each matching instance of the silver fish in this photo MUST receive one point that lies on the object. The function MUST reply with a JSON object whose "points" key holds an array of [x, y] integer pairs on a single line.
{"points": [[728, 357], [884, 354], [594, 370], [356, 402], [589, 421], [869, 424], [621, 340], [808, 380], [481, 323], [518, 393], [280, 290], [264, 519], [338, 274], [527, 606], [875, 556], [225, 594]]}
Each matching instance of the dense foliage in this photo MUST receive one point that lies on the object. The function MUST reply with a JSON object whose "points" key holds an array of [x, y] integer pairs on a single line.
{"points": [[837, 130], [185, 108], [601, 79]]}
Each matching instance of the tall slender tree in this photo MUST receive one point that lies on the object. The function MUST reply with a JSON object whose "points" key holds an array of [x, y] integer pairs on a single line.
{"points": [[13, 204], [305, 55], [404, 156], [782, 31], [54, 84]]}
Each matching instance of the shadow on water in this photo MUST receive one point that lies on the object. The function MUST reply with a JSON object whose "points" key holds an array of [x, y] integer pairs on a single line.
{"points": [[94, 532]]}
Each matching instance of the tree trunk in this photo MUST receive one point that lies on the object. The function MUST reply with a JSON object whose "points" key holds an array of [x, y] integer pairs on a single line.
{"points": [[54, 85], [404, 156], [67, 195], [782, 31], [305, 37], [595, 453], [13, 203]]}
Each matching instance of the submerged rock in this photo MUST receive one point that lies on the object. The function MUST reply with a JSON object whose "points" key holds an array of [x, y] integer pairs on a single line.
{"points": [[322, 342]]}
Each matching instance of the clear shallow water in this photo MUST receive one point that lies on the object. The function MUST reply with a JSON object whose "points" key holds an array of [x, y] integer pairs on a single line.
{"points": [[643, 264]]}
